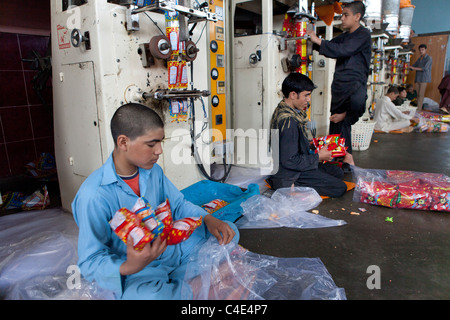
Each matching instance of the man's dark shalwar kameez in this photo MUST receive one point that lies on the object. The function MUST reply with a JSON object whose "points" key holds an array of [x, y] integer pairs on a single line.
{"points": [[296, 164], [352, 52]]}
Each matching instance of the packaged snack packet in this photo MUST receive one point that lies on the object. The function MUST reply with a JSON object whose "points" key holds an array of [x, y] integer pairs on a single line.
{"points": [[440, 196], [378, 193], [335, 143], [124, 223], [143, 210], [182, 229], [214, 205], [440, 200], [175, 231], [164, 214], [413, 198]]}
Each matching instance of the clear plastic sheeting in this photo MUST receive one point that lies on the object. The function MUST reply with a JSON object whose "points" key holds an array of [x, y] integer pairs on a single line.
{"points": [[230, 272], [38, 257], [55, 288], [287, 207]]}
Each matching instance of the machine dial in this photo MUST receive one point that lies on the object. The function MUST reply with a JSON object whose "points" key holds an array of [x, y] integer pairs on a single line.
{"points": [[214, 74], [214, 46], [215, 101]]}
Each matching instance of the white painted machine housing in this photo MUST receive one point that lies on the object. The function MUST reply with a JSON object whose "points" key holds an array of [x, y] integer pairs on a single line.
{"points": [[89, 85]]}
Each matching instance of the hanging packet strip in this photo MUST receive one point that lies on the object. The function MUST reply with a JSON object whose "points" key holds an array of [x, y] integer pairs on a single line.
{"points": [[185, 106], [182, 75], [173, 33], [178, 110], [173, 68], [173, 29], [171, 15], [174, 107]]}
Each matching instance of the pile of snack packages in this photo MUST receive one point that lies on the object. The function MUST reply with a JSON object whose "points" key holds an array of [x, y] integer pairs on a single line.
{"points": [[335, 144], [431, 122], [144, 224], [38, 200], [402, 189]]}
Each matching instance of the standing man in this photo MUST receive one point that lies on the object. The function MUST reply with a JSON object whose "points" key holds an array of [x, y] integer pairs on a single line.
{"points": [[352, 51], [423, 74]]}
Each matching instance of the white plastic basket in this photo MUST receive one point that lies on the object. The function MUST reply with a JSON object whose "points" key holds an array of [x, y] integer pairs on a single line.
{"points": [[362, 134]]}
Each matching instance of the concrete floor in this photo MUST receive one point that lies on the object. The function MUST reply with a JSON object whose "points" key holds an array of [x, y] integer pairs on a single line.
{"points": [[413, 252]]}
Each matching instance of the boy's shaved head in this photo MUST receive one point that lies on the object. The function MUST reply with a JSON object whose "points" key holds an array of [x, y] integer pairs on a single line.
{"points": [[134, 120], [356, 7]]}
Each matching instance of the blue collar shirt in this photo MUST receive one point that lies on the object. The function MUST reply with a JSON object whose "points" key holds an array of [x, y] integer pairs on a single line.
{"points": [[101, 252]]}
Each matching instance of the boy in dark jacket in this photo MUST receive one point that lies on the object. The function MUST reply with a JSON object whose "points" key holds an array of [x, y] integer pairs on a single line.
{"points": [[352, 51], [297, 165]]}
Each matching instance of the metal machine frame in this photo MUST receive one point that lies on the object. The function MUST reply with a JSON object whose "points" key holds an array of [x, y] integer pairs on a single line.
{"points": [[100, 61]]}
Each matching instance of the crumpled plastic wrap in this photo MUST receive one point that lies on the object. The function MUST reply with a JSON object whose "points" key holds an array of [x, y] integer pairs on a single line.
{"points": [[402, 189], [285, 208], [36, 250], [230, 272]]}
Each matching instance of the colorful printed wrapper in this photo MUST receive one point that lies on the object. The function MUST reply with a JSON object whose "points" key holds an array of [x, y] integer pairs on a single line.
{"points": [[179, 110], [377, 193], [145, 213], [214, 205], [182, 229], [164, 214], [440, 200], [335, 143], [144, 225], [413, 198], [182, 75], [173, 33], [173, 69], [124, 223]]}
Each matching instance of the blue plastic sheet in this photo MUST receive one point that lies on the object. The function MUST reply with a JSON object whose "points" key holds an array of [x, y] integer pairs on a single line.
{"points": [[205, 191]]}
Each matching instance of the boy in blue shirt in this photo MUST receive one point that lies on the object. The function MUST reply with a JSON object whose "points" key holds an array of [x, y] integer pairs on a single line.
{"points": [[156, 272]]}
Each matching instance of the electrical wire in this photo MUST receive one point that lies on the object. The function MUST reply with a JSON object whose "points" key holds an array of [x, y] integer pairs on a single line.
{"points": [[201, 33], [154, 23], [194, 137]]}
